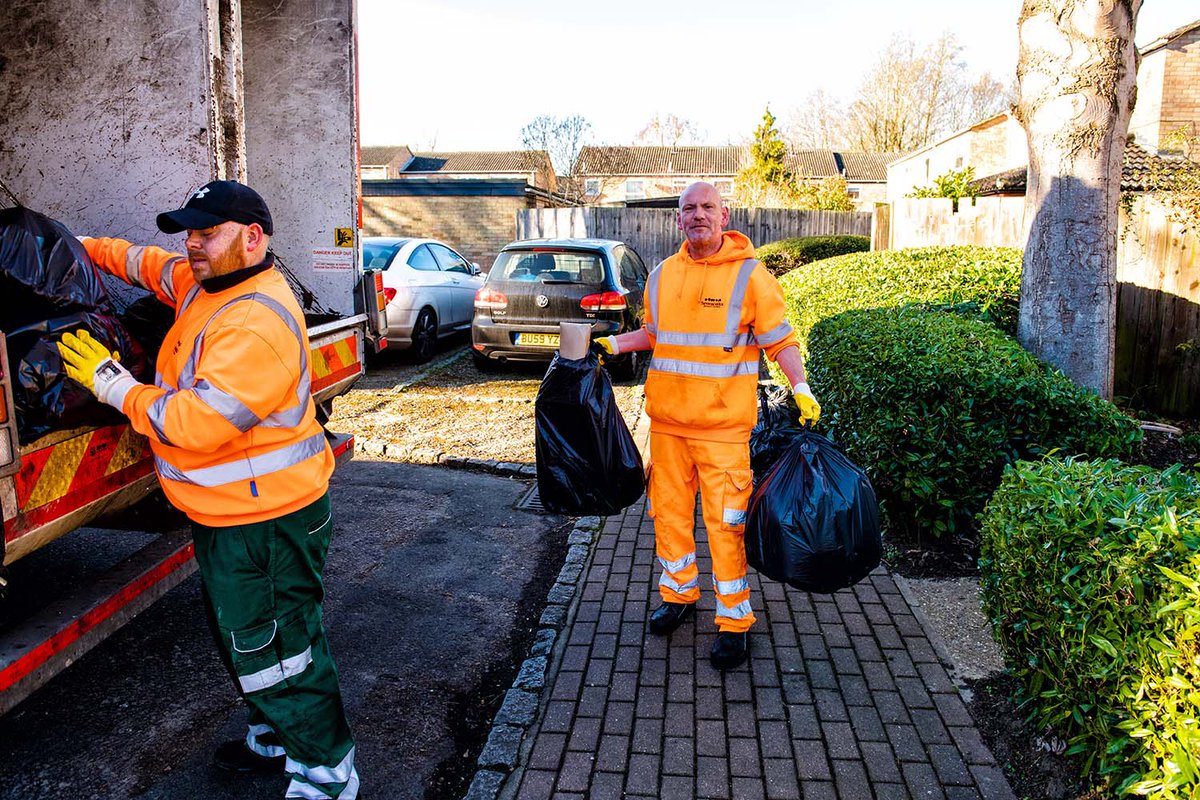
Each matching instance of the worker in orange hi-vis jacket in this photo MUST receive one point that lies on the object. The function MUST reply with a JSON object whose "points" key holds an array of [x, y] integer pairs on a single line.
{"points": [[710, 309], [238, 448]]}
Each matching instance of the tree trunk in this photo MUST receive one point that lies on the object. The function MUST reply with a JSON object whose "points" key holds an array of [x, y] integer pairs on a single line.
{"points": [[1076, 71]]}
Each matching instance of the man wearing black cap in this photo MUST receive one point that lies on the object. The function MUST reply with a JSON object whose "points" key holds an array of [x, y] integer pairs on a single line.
{"points": [[237, 447]]}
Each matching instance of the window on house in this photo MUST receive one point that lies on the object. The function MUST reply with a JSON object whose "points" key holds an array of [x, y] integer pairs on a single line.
{"points": [[927, 169], [853, 193], [591, 187], [635, 189], [958, 163], [725, 188], [374, 173]]}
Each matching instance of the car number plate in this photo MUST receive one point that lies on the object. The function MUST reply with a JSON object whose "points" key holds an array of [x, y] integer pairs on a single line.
{"points": [[538, 339]]}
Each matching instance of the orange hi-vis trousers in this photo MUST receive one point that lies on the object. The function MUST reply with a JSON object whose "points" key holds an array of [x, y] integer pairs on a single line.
{"points": [[721, 470]]}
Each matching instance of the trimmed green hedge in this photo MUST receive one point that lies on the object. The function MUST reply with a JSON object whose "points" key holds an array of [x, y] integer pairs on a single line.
{"points": [[935, 405], [1091, 577], [986, 279], [785, 255]]}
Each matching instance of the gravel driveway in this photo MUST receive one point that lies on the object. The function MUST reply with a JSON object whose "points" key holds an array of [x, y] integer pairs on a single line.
{"points": [[452, 408]]}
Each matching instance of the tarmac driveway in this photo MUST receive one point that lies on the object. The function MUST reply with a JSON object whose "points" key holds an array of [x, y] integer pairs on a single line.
{"points": [[435, 584]]}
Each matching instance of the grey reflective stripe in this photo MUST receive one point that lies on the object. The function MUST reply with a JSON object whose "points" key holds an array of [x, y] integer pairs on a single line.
{"points": [[652, 295], [677, 566], [706, 339], [731, 587], [737, 297], [187, 300], [734, 516], [234, 411], [778, 333], [133, 265], [323, 775], [703, 369], [739, 611], [157, 414], [278, 419], [268, 750], [246, 469], [276, 673], [168, 277], [669, 582]]}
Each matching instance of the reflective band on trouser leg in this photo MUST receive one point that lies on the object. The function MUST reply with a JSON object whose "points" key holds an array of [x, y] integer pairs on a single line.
{"points": [[258, 732], [264, 585], [314, 782], [672, 495], [725, 486]]}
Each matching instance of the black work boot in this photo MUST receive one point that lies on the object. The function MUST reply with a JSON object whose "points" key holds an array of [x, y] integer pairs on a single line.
{"points": [[669, 616], [730, 649], [236, 756]]}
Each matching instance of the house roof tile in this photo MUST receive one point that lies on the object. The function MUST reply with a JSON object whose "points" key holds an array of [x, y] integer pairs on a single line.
{"points": [[480, 161], [384, 154], [725, 160], [1141, 171]]}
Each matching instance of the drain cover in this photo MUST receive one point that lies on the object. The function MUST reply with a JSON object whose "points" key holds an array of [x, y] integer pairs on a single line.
{"points": [[532, 501]]}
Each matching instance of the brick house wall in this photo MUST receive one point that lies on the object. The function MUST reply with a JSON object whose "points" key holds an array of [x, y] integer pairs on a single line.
{"points": [[1181, 86], [475, 226], [1168, 98]]}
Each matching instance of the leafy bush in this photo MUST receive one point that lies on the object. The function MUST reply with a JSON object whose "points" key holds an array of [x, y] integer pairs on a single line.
{"points": [[785, 255], [986, 278], [1091, 577], [935, 405]]}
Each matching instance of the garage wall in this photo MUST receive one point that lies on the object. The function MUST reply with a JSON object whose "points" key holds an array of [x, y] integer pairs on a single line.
{"points": [[475, 226]]}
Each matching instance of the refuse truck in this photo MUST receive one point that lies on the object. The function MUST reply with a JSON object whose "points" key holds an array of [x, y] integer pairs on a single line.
{"points": [[111, 112]]}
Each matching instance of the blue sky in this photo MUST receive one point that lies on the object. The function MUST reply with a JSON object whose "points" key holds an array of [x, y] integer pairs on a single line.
{"points": [[468, 74]]}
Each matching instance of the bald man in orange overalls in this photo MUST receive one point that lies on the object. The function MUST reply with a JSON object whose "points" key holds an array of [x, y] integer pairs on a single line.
{"points": [[710, 309]]}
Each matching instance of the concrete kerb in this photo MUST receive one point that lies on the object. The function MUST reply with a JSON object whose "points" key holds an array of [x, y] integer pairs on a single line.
{"points": [[507, 745]]}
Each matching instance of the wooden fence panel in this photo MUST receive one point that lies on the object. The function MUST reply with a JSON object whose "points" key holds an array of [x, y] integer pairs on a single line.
{"points": [[653, 232]]}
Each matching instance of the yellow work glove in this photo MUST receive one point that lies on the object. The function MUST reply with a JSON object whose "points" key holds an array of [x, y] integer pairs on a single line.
{"points": [[92, 365], [810, 409], [604, 347]]}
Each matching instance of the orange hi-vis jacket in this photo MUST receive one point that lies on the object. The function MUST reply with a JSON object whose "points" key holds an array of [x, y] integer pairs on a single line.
{"points": [[707, 321], [230, 416]]}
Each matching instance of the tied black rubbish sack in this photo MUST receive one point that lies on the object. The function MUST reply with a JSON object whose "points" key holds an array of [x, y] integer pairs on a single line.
{"points": [[813, 521], [587, 463]]}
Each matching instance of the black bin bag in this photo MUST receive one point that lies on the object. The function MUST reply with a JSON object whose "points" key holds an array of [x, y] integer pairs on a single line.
{"points": [[48, 287], [777, 427], [813, 521], [587, 463]]}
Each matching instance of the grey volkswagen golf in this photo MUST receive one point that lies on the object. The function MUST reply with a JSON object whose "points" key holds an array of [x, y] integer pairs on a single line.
{"points": [[536, 284]]}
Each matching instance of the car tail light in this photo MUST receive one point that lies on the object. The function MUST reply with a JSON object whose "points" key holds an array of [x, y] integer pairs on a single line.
{"points": [[389, 294], [487, 298], [608, 301]]}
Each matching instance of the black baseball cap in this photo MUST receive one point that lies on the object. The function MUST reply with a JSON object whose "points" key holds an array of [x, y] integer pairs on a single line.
{"points": [[214, 203]]}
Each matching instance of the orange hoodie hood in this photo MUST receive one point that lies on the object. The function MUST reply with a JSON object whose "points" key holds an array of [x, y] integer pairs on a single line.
{"points": [[735, 246]]}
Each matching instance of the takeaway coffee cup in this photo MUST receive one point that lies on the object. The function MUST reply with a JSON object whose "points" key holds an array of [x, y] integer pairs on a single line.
{"points": [[574, 339]]}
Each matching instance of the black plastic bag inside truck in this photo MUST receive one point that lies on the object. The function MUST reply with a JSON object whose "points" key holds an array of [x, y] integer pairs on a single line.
{"points": [[813, 521], [587, 463], [44, 271]]}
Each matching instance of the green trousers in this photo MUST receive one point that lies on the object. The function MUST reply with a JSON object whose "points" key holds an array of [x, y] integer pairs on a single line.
{"points": [[263, 590]]}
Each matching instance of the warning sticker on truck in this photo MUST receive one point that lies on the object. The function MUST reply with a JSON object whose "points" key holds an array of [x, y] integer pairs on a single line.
{"points": [[332, 260]]}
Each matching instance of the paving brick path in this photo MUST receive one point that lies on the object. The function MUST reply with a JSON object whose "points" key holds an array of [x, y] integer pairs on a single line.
{"points": [[844, 696]]}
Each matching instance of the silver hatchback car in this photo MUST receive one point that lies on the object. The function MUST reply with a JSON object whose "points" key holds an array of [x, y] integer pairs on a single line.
{"points": [[430, 290]]}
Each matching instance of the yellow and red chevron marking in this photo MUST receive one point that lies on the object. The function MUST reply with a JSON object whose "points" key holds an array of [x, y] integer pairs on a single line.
{"points": [[334, 361], [58, 479]]}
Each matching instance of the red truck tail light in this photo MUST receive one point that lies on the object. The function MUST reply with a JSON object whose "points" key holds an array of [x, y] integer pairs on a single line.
{"points": [[487, 299], [382, 298], [608, 301]]}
